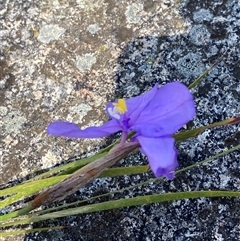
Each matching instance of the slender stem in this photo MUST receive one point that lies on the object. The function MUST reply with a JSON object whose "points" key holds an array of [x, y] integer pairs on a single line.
{"points": [[124, 137]]}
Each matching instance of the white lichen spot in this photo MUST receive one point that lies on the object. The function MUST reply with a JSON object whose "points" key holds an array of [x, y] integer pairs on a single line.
{"points": [[3, 111], [50, 33], [81, 3], [13, 121], [2, 83], [202, 15], [224, 180], [38, 94], [60, 5], [133, 12], [78, 112], [49, 160], [89, 4], [85, 62], [222, 208], [217, 235], [238, 88], [93, 28], [199, 35], [93, 123]]}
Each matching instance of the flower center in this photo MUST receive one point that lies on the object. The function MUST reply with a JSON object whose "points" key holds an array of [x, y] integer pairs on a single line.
{"points": [[121, 106], [117, 109]]}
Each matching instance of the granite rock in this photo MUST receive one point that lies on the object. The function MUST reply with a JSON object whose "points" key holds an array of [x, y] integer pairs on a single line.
{"points": [[66, 59]]}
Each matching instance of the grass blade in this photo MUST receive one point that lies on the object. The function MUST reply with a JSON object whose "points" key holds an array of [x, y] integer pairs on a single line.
{"points": [[121, 203]]}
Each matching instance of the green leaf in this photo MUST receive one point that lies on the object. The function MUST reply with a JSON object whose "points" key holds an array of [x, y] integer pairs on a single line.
{"points": [[26, 231], [195, 132], [131, 170], [120, 171], [27, 189], [109, 205], [205, 73]]}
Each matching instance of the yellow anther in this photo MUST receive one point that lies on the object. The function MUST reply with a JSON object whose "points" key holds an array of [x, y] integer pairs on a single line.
{"points": [[121, 106]]}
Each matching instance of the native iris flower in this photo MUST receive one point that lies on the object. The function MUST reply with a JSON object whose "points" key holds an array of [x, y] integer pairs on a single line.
{"points": [[153, 116]]}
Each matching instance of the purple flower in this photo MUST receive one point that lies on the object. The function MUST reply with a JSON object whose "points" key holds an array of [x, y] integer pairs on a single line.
{"points": [[154, 117]]}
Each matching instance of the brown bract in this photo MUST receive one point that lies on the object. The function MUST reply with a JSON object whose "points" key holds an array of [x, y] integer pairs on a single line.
{"points": [[83, 176]]}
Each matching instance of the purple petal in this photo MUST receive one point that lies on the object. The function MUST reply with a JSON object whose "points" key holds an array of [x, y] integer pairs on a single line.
{"points": [[161, 153], [71, 130], [170, 109], [138, 104]]}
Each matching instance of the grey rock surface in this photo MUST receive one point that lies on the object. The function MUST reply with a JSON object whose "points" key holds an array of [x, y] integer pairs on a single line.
{"points": [[66, 59]]}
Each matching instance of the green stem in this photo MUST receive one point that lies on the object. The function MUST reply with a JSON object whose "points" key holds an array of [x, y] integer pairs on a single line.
{"points": [[17, 213]]}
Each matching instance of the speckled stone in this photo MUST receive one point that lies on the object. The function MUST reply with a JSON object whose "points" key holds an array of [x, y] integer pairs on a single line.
{"points": [[66, 59]]}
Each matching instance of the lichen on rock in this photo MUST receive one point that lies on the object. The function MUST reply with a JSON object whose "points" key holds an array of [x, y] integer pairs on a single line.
{"points": [[49, 33]]}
